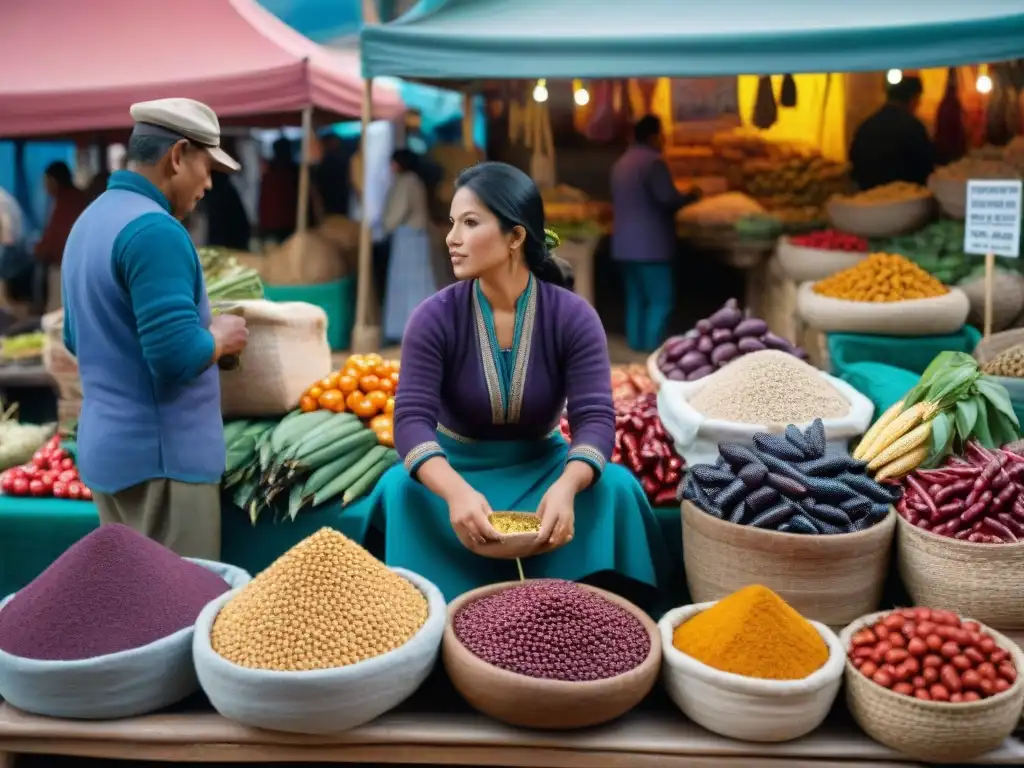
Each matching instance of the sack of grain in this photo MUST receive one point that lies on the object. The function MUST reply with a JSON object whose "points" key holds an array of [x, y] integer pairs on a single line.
{"points": [[305, 258], [759, 392], [286, 353], [914, 317], [1007, 299], [57, 360], [720, 209]]}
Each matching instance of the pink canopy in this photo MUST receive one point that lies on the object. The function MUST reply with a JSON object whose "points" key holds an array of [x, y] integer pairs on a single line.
{"points": [[82, 63]]}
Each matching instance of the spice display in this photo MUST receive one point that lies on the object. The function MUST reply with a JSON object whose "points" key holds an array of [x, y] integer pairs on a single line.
{"points": [[933, 656], [226, 279], [976, 168], [831, 240], [788, 483], [631, 381], [554, 630], [727, 335], [511, 523], [111, 591], [308, 459], [365, 385], [1009, 363], [50, 472], [881, 277], [793, 178], [323, 604], [977, 498], [952, 403], [643, 447], [769, 387], [754, 633], [886, 194]]}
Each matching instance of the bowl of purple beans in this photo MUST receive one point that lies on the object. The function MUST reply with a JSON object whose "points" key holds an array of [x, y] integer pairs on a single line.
{"points": [[550, 654]]}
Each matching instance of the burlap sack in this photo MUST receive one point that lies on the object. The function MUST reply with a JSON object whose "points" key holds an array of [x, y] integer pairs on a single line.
{"points": [[343, 234], [305, 258], [916, 317], [1007, 299], [57, 360], [287, 352]]}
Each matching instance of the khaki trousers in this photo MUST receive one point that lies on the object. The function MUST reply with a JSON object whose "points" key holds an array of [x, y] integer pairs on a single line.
{"points": [[184, 517]]}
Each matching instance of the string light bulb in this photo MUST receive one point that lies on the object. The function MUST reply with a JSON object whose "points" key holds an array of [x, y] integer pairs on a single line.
{"points": [[540, 91], [581, 96], [893, 76], [984, 82]]}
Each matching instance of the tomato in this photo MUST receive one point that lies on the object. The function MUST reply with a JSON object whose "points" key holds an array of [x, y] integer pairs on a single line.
{"points": [[389, 406], [378, 423], [378, 398], [363, 408], [332, 400], [386, 437], [369, 383], [307, 404], [74, 490], [47, 479], [7, 482], [41, 459], [67, 463], [20, 486], [36, 488], [86, 494], [348, 384], [30, 471], [315, 391], [60, 490], [68, 476]]}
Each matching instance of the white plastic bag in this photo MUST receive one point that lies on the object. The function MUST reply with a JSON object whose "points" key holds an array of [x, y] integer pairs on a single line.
{"points": [[697, 437]]}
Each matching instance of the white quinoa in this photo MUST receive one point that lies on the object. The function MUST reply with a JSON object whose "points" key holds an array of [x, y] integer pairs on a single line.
{"points": [[769, 387]]}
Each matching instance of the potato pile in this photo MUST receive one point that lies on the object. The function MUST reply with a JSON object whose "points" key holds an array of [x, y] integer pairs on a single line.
{"points": [[323, 604], [1009, 363], [881, 277]]}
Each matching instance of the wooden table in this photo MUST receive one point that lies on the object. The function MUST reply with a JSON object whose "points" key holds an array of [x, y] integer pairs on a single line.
{"points": [[639, 740]]}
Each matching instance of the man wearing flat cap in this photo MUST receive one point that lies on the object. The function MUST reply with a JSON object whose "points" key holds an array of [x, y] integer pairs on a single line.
{"points": [[136, 314]]}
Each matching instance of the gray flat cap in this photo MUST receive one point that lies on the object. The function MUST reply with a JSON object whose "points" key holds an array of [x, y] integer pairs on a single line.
{"points": [[187, 119]]}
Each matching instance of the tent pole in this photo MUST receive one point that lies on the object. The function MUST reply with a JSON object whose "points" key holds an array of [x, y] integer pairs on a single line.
{"points": [[365, 337], [302, 214], [468, 119]]}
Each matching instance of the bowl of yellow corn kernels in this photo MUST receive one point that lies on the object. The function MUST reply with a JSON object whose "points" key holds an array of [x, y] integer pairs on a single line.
{"points": [[518, 532]]}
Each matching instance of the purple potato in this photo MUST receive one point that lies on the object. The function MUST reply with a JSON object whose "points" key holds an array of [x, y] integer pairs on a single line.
{"points": [[691, 361], [721, 335], [703, 326], [663, 363], [731, 304], [705, 345], [677, 346], [749, 344], [726, 317], [752, 327], [772, 341], [676, 375], [724, 353], [700, 373], [693, 333]]}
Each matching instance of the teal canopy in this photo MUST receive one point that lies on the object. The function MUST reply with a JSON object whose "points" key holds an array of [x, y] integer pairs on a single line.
{"points": [[506, 39]]}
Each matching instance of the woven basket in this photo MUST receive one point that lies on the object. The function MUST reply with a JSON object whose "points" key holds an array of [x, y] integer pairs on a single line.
{"points": [[830, 579], [981, 580], [927, 730]]}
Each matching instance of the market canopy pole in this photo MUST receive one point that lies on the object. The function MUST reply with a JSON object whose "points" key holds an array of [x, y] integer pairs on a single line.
{"points": [[302, 214]]}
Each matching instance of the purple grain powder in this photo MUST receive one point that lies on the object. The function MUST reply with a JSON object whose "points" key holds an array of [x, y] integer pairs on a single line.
{"points": [[111, 591], [554, 630]]}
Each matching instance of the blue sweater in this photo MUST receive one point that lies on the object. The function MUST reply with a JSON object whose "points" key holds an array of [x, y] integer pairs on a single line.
{"points": [[136, 315]]}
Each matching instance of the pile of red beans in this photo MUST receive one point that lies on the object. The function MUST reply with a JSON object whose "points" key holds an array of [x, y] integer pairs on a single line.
{"points": [[933, 656]]}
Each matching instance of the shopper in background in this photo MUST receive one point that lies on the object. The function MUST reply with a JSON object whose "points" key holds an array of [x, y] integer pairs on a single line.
{"points": [[227, 223], [487, 366], [893, 144], [331, 175], [645, 201], [136, 314], [279, 193], [68, 203], [410, 277], [17, 268]]}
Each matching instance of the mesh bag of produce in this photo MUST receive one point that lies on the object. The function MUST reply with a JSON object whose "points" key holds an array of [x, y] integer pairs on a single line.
{"points": [[287, 349]]}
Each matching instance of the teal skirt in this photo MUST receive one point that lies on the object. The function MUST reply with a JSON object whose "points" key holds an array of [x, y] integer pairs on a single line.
{"points": [[615, 529]]}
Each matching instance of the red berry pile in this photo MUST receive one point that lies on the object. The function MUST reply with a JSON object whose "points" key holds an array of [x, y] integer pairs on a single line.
{"points": [[51, 472], [831, 240]]}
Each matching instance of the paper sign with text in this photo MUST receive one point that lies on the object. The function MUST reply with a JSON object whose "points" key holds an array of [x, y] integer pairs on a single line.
{"points": [[993, 218]]}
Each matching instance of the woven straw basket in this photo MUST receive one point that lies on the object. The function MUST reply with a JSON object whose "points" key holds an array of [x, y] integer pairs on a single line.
{"points": [[981, 580], [928, 730], [830, 579]]}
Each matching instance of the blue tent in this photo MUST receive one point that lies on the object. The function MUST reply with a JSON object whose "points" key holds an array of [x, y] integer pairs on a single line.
{"points": [[473, 39]]}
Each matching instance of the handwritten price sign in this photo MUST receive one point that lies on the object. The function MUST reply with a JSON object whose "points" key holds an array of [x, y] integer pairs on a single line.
{"points": [[993, 218]]}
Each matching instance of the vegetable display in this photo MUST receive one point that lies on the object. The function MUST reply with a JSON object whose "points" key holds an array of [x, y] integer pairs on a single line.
{"points": [[643, 447], [831, 240], [952, 403], [51, 472], [307, 458], [24, 346], [932, 655], [365, 385], [631, 381], [717, 340], [788, 483], [226, 279], [977, 498], [881, 277]]}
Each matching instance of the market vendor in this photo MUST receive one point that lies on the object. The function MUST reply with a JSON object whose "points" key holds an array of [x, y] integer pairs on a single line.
{"points": [[645, 202], [893, 144], [150, 435], [487, 365]]}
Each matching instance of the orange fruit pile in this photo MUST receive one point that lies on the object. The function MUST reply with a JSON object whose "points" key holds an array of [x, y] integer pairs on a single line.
{"points": [[365, 386]]}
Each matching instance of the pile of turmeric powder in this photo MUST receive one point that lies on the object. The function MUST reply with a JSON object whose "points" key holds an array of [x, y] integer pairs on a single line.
{"points": [[753, 633], [881, 277]]}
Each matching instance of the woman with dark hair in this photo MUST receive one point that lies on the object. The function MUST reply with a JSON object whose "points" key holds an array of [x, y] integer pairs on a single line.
{"points": [[410, 270], [487, 366]]}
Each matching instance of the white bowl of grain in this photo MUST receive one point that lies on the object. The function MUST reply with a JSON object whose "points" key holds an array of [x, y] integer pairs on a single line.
{"points": [[759, 392]]}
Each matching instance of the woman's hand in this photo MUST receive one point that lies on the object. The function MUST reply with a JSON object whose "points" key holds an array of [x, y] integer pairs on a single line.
{"points": [[469, 514], [557, 514]]}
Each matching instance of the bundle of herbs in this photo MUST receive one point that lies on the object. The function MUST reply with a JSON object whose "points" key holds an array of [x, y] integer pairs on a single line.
{"points": [[226, 279]]}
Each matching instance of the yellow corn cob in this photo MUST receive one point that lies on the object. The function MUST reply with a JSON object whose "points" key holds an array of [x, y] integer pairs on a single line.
{"points": [[907, 420], [905, 464], [872, 434], [914, 439]]}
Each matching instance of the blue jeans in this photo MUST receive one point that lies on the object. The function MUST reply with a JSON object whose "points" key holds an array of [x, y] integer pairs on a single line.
{"points": [[650, 296]]}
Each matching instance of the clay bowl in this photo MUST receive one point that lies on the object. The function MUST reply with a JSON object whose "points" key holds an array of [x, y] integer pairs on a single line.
{"points": [[530, 702], [513, 546]]}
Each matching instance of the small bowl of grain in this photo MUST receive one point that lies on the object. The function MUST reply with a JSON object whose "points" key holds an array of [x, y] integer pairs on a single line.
{"points": [[518, 537]]}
